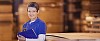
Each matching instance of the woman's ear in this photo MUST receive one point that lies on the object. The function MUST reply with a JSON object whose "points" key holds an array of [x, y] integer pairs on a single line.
{"points": [[38, 11]]}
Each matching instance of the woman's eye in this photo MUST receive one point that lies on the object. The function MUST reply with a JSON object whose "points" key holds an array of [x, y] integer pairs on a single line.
{"points": [[34, 11]]}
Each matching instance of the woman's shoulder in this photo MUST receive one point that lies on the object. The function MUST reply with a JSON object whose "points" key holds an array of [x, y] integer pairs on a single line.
{"points": [[26, 23], [41, 21]]}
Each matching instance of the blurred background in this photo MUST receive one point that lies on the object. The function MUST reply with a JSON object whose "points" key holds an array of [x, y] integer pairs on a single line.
{"points": [[60, 16]]}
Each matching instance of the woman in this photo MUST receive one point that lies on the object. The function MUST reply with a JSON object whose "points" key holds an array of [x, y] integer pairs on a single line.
{"points": [[34, 23]]}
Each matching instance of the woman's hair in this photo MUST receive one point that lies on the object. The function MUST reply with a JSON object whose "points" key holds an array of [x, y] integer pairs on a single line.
{"points": [[33, 4]]}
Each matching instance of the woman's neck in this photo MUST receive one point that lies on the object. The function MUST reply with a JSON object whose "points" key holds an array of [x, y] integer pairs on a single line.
{"points": [[33, 19]]}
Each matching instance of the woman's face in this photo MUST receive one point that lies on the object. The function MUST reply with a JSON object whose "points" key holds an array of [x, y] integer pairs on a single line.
{"points": [[32, 12]]}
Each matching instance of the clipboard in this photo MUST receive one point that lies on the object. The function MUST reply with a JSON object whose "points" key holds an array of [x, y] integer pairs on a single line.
{"points": [[29, 34]]}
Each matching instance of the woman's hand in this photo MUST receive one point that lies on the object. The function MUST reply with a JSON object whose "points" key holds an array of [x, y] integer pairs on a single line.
{"points": [[21, 38]]}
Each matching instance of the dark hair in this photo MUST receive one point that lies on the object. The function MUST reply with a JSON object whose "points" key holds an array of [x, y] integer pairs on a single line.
{"points": [[33, 4]]}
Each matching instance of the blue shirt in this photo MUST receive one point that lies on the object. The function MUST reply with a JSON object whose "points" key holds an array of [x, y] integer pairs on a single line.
{"points": [[38, 26]]}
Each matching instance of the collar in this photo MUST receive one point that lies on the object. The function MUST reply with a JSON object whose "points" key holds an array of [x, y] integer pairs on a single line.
{"points": [[32, 21], [35, 21]]}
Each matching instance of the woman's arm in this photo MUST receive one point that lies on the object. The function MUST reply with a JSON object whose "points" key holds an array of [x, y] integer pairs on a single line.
{"points": [[40, 38]]}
